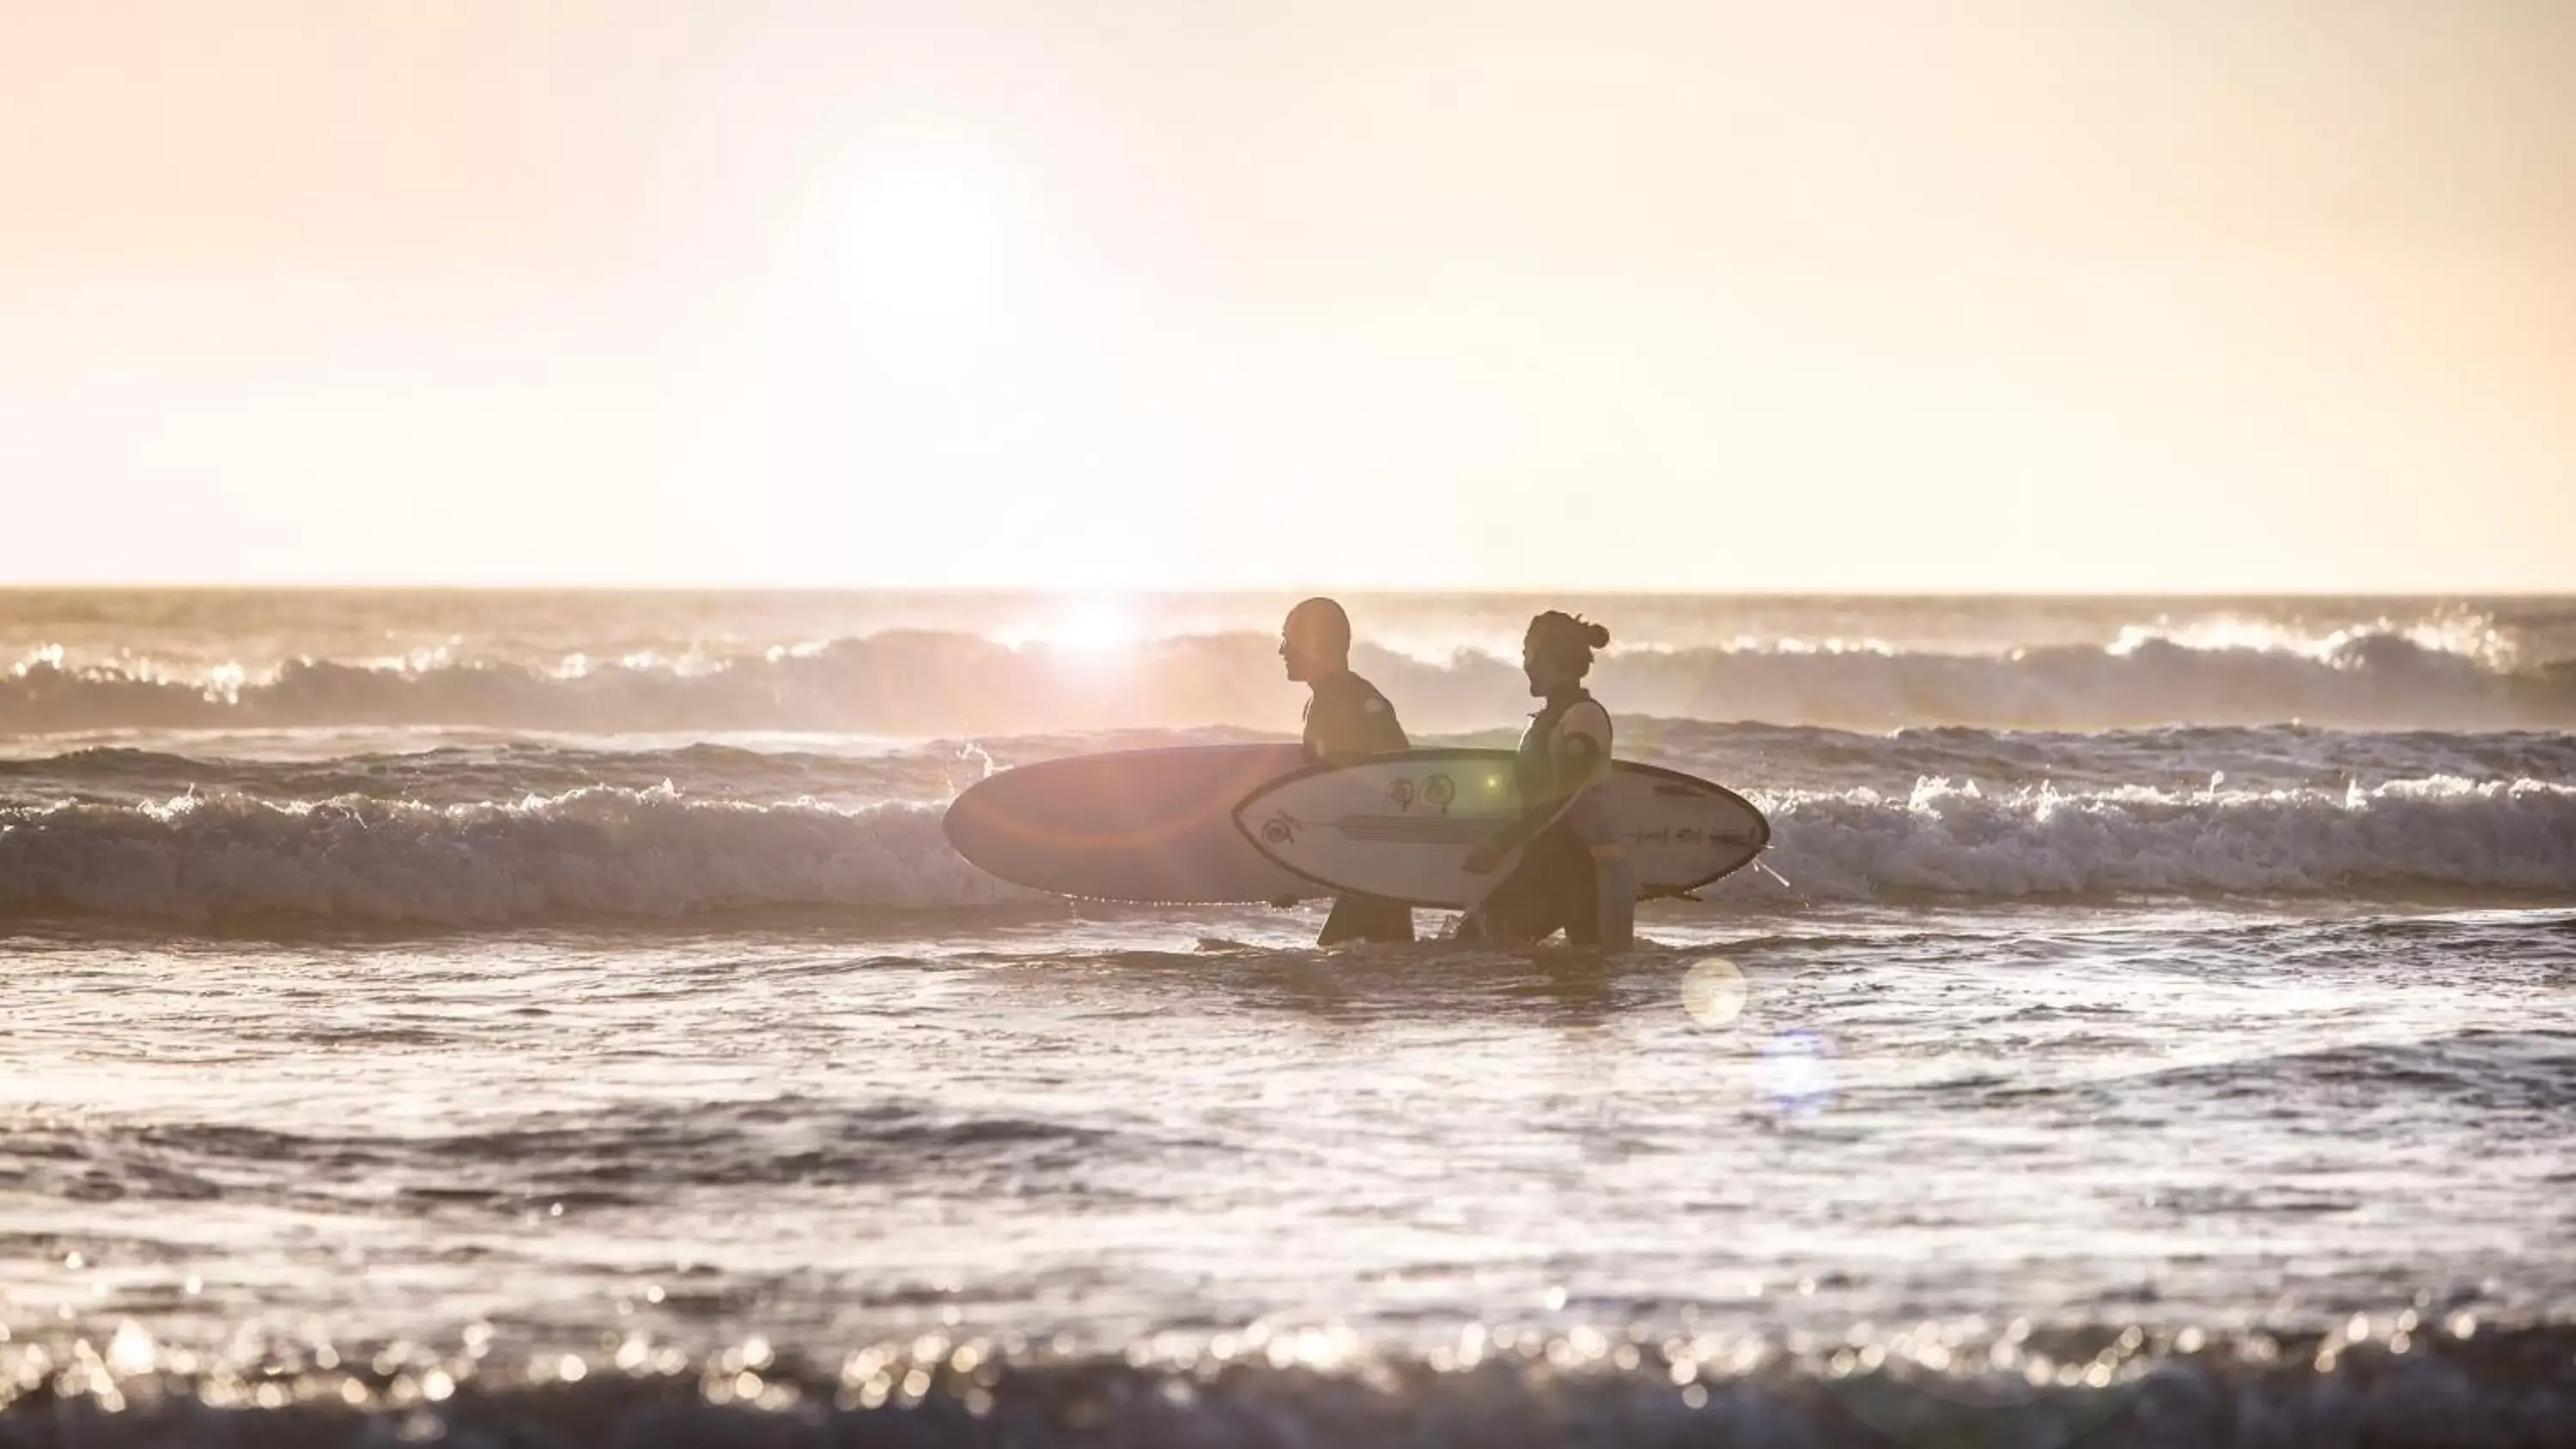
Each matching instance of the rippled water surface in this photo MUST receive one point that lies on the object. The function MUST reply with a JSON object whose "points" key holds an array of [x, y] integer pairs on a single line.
{"points": [[397, 1048]]}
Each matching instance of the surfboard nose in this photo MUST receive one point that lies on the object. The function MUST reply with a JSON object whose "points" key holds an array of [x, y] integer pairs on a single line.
{"points": [[1135, 825]]}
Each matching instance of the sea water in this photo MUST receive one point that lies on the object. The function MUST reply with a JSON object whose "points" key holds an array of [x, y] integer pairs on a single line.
{"points": [[559, 1019]]}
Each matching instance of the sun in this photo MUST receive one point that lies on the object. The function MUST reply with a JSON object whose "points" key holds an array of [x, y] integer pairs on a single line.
{"points": [[949, 329], [933, 242]]}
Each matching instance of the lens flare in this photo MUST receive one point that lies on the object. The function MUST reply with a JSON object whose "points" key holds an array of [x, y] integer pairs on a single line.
{"points": [[1796, 1073], [1713, 992]]}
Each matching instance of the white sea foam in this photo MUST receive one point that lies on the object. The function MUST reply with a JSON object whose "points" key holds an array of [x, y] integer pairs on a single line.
{"points": [[2440, 833], [654, 852], [468, 766], [598, 851], [2467, 633], [933, 683]]}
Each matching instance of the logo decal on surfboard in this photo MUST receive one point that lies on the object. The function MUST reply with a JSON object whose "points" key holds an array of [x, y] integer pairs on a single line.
{"points": [[1439, 792]]}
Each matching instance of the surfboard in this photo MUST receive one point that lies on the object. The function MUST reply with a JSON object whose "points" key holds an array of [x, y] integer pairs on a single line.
{"points": [[1401, 826], [1151, 826]]}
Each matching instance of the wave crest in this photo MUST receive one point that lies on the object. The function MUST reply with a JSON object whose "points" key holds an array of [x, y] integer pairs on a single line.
{"points": [[597, 851], [941, 683], [2441, 833], [607, 851]]}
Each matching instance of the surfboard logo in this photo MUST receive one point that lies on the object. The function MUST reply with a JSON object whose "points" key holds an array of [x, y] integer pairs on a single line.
{"points": [[1281, 828], [1439, 791], [1401, 792]]}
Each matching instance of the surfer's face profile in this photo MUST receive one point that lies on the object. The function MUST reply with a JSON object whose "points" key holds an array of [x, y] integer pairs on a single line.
{"points": [[1547, 668], [1300, 661], [1315, 641]]}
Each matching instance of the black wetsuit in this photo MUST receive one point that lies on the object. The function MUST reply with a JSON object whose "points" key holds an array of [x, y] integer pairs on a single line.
{"points": [[1348, 719], [1571, 876]]}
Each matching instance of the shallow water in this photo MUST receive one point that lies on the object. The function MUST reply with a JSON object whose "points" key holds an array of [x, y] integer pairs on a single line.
{"points": [[377, 1076]]}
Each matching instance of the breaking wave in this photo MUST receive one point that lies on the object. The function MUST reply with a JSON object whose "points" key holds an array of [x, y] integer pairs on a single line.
{"points": [[599, 851], [610, 851], [2438, 834], [920, 683], [850, 771]]}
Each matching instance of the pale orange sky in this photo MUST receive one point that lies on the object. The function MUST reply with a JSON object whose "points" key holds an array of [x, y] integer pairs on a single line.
{"points": [[2012, 294]]}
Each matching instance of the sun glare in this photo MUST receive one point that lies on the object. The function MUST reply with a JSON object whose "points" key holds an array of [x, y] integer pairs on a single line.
{"points": [[1094, 625]]}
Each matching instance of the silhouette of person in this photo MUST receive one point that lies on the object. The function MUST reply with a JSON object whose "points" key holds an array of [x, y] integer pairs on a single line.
{"points": [[1573, 874], [1346, 719]]}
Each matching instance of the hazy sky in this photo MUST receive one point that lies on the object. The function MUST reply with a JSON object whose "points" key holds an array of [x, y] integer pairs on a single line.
{"points": [[2095, 294]]}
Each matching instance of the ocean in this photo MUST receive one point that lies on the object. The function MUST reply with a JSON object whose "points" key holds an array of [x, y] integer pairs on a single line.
{"points": [[557, 1018]]}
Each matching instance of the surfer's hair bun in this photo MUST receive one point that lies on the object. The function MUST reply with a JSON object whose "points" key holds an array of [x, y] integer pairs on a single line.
{"points": [[1569, 631]]}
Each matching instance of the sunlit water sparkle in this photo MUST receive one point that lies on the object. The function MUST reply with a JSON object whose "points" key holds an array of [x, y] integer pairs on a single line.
{"points": [[465, 1080]]}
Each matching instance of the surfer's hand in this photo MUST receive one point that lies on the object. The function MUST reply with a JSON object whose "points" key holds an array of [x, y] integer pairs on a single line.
{"points": [[1281, 903], [1482, 859]]}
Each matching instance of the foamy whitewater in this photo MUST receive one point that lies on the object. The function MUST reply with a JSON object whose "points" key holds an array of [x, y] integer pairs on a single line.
{"points": [[558, 1019]]}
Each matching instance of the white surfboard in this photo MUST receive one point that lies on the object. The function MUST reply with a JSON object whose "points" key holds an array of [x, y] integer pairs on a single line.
{"points": [[1401, 826]]}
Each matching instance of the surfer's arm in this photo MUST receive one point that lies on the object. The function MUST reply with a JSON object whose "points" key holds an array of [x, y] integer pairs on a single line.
{"points": [[1580, 755], [1512, 837]]}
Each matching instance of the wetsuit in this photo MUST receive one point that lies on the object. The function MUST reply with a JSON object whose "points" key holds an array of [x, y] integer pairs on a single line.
{"points": [[1345, 720], [1573, 876]]}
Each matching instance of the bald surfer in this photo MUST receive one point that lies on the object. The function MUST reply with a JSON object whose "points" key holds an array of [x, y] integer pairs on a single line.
{"points": [[1346, 719]]}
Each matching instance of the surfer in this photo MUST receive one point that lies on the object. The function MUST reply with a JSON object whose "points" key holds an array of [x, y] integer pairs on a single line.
{"points": [[1346, 719], [1574, 876]]}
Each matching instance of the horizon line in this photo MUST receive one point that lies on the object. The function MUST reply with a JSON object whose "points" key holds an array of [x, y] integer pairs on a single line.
{"points": [[103, 586]]}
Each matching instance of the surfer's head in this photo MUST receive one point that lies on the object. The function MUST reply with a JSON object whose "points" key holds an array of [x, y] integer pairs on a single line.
{"points": [[1316, 640], [1557, 651]]}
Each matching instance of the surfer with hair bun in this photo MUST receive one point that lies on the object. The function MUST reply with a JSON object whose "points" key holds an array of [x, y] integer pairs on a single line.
{"points": [[1573, 875], [1346, 719]]}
